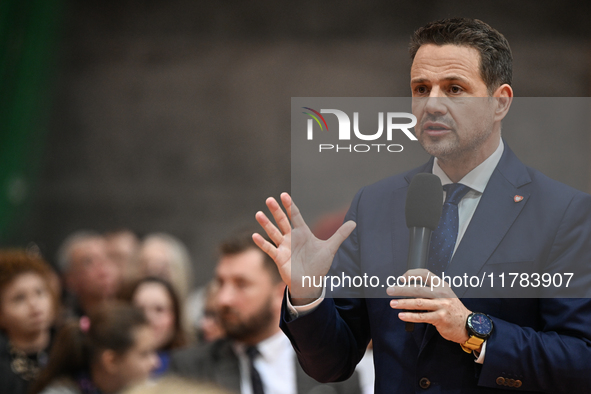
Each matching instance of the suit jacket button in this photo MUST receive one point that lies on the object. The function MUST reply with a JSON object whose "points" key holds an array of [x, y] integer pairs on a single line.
{"points": [[424, 383], [510, 382], [517, 384], [501, 381]]}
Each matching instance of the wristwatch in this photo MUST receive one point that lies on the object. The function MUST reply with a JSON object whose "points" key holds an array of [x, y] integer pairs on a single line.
{"points": [[479, 327]]}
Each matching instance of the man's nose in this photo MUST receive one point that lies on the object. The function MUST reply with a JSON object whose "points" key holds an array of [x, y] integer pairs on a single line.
{"points": [[226, 295], [435, 103]]}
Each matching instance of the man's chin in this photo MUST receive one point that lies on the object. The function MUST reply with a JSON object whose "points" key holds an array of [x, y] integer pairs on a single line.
{"points": [[440, 149], [238, 334]]}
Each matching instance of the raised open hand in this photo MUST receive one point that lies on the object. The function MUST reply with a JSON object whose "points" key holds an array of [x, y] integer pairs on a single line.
{"points": [[297, 252]]}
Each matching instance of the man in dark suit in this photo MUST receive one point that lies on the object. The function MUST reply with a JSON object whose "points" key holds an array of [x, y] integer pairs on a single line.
{"points": [[256, 357], [508, 218]]}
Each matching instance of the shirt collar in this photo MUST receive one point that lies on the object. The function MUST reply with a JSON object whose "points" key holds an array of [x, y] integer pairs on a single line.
{"points": [[477, 179], [273, 345], [268, 348]]}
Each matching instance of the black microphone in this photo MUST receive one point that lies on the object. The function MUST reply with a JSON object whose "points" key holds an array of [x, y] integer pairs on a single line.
{"points": [[424, 201]]}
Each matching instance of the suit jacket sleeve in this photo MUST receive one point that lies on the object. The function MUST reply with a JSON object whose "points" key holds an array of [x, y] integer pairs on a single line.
{"points": [[330, 340]]}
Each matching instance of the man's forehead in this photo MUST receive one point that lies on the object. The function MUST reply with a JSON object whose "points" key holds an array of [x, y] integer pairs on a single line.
{"points": [[447, 61], [247, 263]]}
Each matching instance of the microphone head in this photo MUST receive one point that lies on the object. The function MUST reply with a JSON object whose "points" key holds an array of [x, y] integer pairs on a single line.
{"points": [[424, 201]]}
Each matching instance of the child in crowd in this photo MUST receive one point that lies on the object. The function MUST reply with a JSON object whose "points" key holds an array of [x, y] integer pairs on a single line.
{"points": [[104, 353]]}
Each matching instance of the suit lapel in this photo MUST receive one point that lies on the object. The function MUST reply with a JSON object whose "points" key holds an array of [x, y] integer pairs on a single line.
{"points": [[496, 212], [427, 167]]}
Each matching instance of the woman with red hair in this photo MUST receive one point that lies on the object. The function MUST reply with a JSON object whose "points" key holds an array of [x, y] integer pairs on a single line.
{"points": [[28, 307]]}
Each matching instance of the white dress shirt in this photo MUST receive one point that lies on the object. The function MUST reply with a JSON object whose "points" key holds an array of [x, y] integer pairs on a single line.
{"points": [[275, 364], [477, 179]]}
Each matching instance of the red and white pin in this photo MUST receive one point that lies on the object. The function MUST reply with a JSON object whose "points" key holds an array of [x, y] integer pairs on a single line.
{"points": [[517, 198]]}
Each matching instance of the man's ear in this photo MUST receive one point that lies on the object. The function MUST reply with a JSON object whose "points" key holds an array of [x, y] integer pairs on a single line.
{"points": [[109, 360], [503, 97]]}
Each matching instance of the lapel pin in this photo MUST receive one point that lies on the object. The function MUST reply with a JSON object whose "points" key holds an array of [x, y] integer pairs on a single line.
{"points": [[517, 198]]}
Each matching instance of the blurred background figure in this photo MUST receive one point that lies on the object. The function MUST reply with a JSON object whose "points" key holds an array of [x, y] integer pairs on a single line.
{"points": [[164, 256], [28, 308], [122, 247], [175, 385], [210, 327], [248, 298], [89, 275], [104, 353], [161, 305]]}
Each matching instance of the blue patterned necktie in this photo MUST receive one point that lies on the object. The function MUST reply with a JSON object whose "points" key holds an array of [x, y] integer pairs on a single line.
{"points": [[443, 239]]}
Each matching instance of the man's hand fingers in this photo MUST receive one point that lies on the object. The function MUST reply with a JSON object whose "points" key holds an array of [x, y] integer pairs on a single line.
{"points": [[412, 291], [414, 304], [265, 245], [279, 216], [274, 234], [419, 317], [292, 211], [342, 233]]}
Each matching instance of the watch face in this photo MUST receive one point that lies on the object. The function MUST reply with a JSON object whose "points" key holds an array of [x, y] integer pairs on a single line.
{"points": [[481, 324]]}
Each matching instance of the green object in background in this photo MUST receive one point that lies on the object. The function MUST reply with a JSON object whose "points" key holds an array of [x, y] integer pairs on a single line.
{"points": [[28, 30]]}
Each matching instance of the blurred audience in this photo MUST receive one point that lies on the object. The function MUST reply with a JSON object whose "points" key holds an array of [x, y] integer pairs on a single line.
{"points": [[256, 355], [164, 256], [161, 305], [28, 308], [104, 353], [122, 247], [195, 310], [210, 327], [89, 274]]}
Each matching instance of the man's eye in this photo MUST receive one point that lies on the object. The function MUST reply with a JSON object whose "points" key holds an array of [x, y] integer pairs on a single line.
{"points": [[421, 90], [241, 284], [455, 89]]}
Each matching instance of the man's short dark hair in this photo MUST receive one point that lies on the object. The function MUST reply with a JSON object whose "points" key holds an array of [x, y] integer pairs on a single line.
{"points": [[495, 54], [240, 242]]}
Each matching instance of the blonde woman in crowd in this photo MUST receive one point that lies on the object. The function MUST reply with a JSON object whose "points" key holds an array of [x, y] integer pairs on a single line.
{"points": [[164, 256]]}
